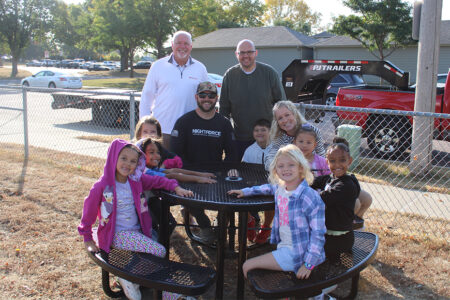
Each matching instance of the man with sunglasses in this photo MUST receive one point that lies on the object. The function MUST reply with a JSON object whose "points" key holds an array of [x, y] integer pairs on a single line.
{"points": [[202, 136], [249, 90]]}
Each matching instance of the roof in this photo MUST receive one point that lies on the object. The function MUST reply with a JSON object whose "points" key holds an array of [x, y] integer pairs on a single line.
{"points": [[323, 34], [346, 41], [276, 36]]}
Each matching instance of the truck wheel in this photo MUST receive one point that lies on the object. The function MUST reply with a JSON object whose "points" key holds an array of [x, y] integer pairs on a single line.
{"points": [[389, 136], [330, 100], [110, 114]]}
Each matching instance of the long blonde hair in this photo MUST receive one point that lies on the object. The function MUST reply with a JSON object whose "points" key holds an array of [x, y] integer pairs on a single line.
{"points": [[295, 154], [275, 130]]}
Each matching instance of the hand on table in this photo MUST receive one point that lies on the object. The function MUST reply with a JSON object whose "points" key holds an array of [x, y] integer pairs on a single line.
{"points": [[182, 192], [91, 247], [207, 175], [303, 272], [238, 193], [205, 180]]}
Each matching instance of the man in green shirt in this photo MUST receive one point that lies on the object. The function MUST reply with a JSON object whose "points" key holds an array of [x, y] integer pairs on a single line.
{"points": [[249, 90]]}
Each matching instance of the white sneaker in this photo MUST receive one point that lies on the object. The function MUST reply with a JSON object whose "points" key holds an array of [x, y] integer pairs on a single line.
{"points": [[130, 289], [329, 289]]}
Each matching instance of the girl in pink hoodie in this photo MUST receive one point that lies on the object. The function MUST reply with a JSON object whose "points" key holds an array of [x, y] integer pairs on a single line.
{"points": [[124, 218]]}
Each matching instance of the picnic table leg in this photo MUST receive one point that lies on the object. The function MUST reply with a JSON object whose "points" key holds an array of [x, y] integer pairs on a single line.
{"points": [[163, 237], [231, 232], [222, 220], [354, 290], [243, 219], [107, 288]]}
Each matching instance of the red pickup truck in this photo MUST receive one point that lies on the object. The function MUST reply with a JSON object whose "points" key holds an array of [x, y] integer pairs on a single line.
{"points": [[390, 135]]}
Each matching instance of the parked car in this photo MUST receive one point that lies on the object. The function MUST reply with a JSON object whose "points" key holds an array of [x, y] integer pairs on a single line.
{"points": [[143, 65], [33, 63], [99, 67], [217, 80], [65, 63], [52, 79], [341, 80]]}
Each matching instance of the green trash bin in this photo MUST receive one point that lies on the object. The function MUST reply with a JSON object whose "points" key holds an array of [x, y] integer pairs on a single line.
{"points": [[352, 134]]}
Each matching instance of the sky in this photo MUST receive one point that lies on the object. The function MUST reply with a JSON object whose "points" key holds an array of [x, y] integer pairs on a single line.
{"points": [[334, 8]]}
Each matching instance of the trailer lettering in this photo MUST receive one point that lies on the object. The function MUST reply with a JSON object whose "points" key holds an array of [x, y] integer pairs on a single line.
{"points": [[339, 68]]}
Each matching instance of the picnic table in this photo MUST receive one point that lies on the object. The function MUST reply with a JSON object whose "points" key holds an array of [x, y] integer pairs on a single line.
{"points": [[215, 197]]}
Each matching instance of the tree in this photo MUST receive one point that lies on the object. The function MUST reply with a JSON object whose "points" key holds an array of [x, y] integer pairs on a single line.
{"points": [[382, 26], [295, 14], [119, 25], [21, 21]]}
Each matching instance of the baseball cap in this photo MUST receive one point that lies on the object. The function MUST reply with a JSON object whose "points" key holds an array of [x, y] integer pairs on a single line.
{"points": [[206, 86]]}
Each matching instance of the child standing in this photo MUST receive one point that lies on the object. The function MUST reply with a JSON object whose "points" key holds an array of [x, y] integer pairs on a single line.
{"points": [[255, 154], [124, 219], [306, 140], [339, 192], [299, 223]]}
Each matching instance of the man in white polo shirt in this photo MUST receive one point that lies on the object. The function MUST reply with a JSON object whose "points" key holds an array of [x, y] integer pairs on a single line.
{"points": [[171, 84]]}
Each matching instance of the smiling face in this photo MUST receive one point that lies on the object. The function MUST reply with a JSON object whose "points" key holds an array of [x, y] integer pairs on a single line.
{"points": [[289, 171], [306, 142], [339, 161], [286, 120], [152, 156], [206, 104], [246, 55], [261, 135], [181, 48], [149, 131], [126, 164]]}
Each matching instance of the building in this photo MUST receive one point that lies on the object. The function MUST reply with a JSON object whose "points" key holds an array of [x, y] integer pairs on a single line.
{"points": [[279, 45]]}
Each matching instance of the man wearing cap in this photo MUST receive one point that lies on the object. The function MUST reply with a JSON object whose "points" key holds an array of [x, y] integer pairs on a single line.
{"points": [[202, 135], [249, 91], [169, 89]]}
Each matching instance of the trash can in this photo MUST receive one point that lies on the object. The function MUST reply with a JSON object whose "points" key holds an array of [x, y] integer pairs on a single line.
{"points": [[352, 134]]}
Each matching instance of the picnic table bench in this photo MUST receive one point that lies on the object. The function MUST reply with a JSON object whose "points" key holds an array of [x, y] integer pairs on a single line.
{"points": [[153, 272], [278, 284]]}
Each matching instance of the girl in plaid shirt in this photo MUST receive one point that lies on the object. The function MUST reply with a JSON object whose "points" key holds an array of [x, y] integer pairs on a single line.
{"points": [[299, 223]]}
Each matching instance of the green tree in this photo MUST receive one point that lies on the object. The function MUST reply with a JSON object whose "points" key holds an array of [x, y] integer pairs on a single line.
{"points": [[21, 21], [242, 13], [161, 20], [294, 14], [119, 26], [382, 26]]}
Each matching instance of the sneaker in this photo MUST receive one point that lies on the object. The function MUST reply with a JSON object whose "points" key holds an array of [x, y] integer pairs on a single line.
{"points": [[358, 222], [329, 289], [251, 233], [263, 235], [130, 289]]}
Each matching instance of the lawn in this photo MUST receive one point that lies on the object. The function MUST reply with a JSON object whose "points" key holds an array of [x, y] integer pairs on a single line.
{"points": [[42, 256]]}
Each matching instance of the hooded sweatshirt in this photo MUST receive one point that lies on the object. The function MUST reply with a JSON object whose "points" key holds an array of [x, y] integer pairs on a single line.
{"points": [[102, 200]]}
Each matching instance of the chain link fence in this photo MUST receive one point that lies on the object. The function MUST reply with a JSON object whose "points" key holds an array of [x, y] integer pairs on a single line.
{"points": [[83, 123]]}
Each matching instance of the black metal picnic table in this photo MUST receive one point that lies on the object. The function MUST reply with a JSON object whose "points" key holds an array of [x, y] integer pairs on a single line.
{"points": [[215, 197]]}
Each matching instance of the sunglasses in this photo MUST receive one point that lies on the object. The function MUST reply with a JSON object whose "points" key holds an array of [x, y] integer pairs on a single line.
{"points": [[204, 95]]}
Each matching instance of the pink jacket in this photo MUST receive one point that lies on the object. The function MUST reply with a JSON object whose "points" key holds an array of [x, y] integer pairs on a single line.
{"points": [[102, 203]]}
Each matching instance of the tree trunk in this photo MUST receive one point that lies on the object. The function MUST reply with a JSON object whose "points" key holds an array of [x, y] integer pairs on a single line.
{"points": [[14, 70]]}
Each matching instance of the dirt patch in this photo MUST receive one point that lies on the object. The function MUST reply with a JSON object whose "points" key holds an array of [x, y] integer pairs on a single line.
{"points": [[42, 256]]}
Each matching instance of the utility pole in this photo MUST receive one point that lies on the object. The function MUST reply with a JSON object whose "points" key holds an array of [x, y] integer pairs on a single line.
{"points": [[425, 99]]}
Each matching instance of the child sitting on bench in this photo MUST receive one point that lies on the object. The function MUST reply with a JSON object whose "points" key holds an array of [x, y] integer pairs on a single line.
{"points": [[124, 219]]}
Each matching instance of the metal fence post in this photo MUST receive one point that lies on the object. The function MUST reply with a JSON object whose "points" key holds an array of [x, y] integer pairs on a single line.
{"points": [[132, 116], [25, 121], [301, 108]]}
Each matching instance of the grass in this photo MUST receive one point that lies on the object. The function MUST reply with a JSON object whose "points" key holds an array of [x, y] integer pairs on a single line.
{"points": [[42, 256], [389, 172], [122, 83], [5, 73]]}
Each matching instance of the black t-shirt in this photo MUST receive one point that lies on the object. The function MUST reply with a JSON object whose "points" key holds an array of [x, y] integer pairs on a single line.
{"points": [[339, 196], [197, 140]]}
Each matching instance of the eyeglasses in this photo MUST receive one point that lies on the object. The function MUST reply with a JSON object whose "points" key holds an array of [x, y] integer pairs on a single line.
{"points": [[204, 95], [242, 53]]}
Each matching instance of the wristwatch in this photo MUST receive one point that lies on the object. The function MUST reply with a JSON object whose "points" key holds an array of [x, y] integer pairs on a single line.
{"points": [[309, 266]]}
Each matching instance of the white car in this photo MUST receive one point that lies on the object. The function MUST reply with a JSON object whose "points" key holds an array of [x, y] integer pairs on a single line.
{"points": [[52, 79], [217, 80]]}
